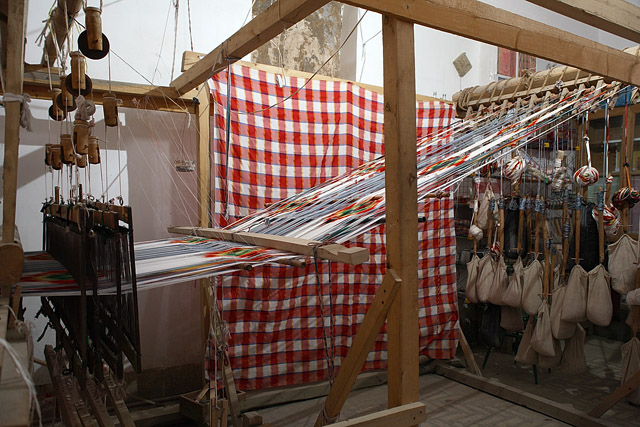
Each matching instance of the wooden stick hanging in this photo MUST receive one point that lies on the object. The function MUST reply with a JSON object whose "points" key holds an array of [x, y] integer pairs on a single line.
{"points": [[601, 224]]}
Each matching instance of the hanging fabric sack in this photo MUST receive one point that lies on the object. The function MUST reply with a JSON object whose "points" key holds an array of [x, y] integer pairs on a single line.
{"points": [[574, 306], [542, 340], [532, 287], [511, 319], [486, 275], [623, 256], [500, 282], [573, 359], [490, 331], [599, 305], [472, 279], [633, 297], [483, 210], [631, 366], [546, 362], [559, 328], [526, 354], [513, 295]]}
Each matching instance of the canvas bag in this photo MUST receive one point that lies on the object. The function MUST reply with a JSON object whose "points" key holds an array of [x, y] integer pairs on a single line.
{"points": [[532, 287], [574, 306], [500, 282], [511, 319], [483, 210], [486, 275], [631, 365], [633, 297], [526, 354], [551, 362], [542, 340], [599, 305], [559, 328], [573, 359], [513, 295], [472, 279], [623, 256]]}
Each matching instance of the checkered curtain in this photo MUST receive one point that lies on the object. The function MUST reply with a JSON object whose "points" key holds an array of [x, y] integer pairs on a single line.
{"points": [[283, 324]]}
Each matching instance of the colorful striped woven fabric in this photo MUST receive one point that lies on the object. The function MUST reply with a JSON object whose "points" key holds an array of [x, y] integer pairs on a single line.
{"points": [[274, 313]]}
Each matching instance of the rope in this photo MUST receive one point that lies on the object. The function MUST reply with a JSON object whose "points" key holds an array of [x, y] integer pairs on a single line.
{"points": [[25, 112]]}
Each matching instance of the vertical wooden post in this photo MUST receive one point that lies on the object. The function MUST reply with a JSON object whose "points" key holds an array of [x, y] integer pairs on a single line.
{"points": [[402, 213]]}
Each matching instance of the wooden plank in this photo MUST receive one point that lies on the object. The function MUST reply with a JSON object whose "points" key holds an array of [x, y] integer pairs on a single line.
{"points": [[401, 207], [15, 404], [528, 400], [616, 396], [62, 393], [617, 17], [133, 95], [405, 415], [4, 322], [472, 365], [333, 252], [360, 347], [482, 22], [264, 27]]}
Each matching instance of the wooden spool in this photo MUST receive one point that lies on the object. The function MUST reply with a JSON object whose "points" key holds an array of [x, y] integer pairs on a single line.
{"points": [[78, 70], [68, 155], [67, 101], [110, 106], [93, 22], [81, 136], [94, 150], [81, 160], [56, 157], [47, 154], [56, 112]]}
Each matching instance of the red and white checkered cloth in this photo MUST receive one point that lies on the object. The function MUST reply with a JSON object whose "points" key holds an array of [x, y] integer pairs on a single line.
{"points": [[274, 313]]}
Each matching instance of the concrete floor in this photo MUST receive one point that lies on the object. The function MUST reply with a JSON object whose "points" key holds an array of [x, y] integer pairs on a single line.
{"points": [[452, 404]]}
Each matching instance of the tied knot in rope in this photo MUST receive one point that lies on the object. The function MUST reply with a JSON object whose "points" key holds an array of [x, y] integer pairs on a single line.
{"points": [[25, 112], [475, 232], [625, 197], [514, 169], [610, 219], [86, 108], [586, 175]]}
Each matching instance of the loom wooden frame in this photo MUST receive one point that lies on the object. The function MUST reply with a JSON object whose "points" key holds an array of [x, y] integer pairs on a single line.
{"points": [[470, 19]]}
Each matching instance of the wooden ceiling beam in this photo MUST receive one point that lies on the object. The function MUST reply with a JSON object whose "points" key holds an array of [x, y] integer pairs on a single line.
{"points": [[617, 17], [482, 22], [264, 27]]}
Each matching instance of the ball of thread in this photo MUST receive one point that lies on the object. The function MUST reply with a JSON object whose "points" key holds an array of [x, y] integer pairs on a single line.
{"points": [[514, 168], [586, 176], [625, 197], [476, 232]]}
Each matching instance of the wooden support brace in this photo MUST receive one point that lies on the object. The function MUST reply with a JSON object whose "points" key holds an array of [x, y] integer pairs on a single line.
{"points": [[362, 343], [616, 396], [333, 252], [400, 416]]}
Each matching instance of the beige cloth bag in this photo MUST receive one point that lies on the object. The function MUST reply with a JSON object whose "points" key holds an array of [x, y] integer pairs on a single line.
{"points": [[511, 319], [472, 279], [559, 328], [573, 360], [599, 305], [486, 276], [500, 282], [631, 365], [623, 256], [532, 287], [542, 340], [513, 295], [526, 354], [484, 208], [574, 306], [546, 362]]}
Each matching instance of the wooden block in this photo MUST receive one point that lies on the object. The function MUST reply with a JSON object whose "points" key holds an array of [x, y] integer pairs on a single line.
{"points": [[251, 419], [400, 416]]}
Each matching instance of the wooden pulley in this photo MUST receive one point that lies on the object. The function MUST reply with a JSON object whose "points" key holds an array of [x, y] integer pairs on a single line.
{"points": [[68, 155], [81, 136], [110, 107], [81, 160], [56, 157], [78, 83], [65, 100], [55, 112], [47, 154], [94, 150], [92, 42]]}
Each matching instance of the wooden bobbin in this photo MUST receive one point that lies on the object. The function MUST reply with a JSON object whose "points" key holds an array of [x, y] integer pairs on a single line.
{"points": [[66, 98], [56, 157], [56, 111], [81, 160], [78, 70], [94, 150], [47, 154], [68, 155], [81, 136], [93, 22], [110, 106]]}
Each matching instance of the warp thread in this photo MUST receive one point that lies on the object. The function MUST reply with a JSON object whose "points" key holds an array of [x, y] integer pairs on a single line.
{"points": [[25, 112]]}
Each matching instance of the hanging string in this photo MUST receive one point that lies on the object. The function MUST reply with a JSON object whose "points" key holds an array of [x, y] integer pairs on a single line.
{"points": [[190, 32]]}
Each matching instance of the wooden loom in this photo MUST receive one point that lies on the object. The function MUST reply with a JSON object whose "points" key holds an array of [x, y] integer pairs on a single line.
{"points": [[471, 19]]}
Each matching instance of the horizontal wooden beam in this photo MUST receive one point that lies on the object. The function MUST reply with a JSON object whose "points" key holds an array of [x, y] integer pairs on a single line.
{"points": [[617, 17], [332, 252], [133, 95], [406, 415], [264, 27], [482, 22], [539, 404]]}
